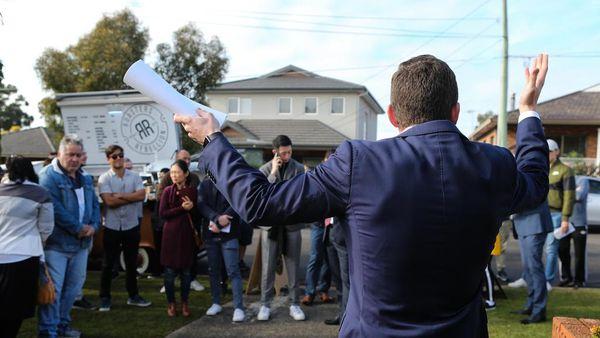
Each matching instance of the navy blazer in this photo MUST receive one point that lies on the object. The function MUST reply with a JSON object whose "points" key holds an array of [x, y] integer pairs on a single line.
{"points": [[420, 211], [534, 221]]}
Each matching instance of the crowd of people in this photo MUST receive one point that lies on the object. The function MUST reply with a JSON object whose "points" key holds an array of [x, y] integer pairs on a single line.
{"points": [[396, 241], [63, 212]]}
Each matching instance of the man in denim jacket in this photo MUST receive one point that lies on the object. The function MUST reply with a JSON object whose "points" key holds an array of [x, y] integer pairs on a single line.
{"points": [[76, 217]]}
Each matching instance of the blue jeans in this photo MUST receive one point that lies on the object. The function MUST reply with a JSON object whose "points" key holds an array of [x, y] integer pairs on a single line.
{"points": [[67, 271], [552, 249], [227, 251], [317, 269], [186, 278]]}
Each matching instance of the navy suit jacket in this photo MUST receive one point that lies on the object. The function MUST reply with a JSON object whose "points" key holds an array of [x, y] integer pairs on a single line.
{"points": [[420, 211], [534, 221]]}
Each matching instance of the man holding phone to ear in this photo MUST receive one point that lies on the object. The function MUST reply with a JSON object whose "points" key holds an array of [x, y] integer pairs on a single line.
{"points": [[277, 241]]}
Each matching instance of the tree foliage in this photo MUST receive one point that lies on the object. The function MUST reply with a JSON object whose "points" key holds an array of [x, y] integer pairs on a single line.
{"points": [[482, 117], [192, 65], [11, 112], [96, 62]]}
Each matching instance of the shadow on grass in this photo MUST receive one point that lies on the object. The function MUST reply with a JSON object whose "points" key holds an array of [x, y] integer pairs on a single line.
{"points": [[128, 321]]}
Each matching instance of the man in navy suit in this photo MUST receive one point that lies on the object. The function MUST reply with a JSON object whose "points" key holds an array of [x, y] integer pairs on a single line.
{"points": [[420, 211], [532, 226]]}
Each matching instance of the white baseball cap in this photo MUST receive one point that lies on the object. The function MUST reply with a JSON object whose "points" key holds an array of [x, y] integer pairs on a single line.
{"points": [[552, 145]]}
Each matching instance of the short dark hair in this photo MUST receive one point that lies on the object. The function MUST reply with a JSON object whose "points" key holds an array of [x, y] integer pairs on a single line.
{"points": [[20, 169], [164, 170], [281, 141], [112, 148], [423, 89]]}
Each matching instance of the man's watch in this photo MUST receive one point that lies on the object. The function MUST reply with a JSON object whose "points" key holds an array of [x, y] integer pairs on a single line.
{"points": [[210, 137]]}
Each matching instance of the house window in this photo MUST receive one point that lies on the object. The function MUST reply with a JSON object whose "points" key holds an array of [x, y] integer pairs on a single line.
{"points": [[570, 145], [245, 106], [573, 146], [285, 105], [310, 105], [337, 105], [233, 105]]}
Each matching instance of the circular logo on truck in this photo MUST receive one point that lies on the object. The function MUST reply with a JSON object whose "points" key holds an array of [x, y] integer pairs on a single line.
{"points": [[144, 128]]}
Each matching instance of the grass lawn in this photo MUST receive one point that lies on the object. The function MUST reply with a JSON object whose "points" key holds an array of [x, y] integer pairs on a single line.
{"points": [[127, 321], [562, 302]]}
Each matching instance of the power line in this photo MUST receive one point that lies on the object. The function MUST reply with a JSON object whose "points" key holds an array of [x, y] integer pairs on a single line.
{"points": [[277, 28], [387, 29], [470, 40], [433, 38], [383, 18]]}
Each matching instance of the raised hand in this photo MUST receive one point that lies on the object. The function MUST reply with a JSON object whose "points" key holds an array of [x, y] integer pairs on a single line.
{"points": [[198, 127], [534, 81]]}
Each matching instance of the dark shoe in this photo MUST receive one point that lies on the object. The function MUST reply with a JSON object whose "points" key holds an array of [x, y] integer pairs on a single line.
{"points": [[171, 310], [526, 312], [577, 285], [69, 332], [137, 300], [533, 320], [325, 298], [115, 274], [334, 321], [565, 283], [104, 305], [185, 309], [307, 300], [84, 304]]}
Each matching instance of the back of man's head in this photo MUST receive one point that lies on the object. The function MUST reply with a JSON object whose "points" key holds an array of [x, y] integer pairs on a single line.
{"points": [[281, 141], [423, 89]]}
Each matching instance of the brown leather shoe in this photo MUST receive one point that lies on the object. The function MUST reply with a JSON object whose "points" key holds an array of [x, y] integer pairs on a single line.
{"points": [[185, 309], [171, 310], [307, 300], [325, 298]]}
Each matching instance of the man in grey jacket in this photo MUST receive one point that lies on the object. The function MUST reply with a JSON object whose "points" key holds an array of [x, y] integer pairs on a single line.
{"points": [[277, 241]]}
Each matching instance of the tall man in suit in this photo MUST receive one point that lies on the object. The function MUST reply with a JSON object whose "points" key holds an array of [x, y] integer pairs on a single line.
{"points": [[532, 227], [424, 204]]}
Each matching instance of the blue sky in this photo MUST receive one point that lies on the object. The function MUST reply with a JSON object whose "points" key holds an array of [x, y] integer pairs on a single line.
{"points": [[363, 50]]}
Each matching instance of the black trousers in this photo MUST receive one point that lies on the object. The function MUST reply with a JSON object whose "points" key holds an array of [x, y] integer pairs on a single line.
{"points": [[114, 240], [579, 237]]}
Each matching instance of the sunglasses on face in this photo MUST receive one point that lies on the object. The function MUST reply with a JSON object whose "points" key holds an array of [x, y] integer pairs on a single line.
{"points": [[115, 156]]}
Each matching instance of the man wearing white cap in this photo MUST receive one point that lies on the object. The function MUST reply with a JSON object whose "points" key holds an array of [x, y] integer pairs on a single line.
{"points": [[561, 198]]}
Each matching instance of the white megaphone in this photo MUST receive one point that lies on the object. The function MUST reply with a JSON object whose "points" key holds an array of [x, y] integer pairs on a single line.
{"points": [[142, 78]]}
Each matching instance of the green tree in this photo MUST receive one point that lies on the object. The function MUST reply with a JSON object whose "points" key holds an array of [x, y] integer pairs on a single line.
{"points": [[192, 65], [11, 113], [482, 117], [96, 62]]}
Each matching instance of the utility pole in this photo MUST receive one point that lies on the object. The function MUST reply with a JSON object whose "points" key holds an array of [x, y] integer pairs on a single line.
{"points": [[502, 115]]}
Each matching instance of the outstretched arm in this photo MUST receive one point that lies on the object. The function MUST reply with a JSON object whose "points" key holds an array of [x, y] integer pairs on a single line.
{"points": [[305, 198]]}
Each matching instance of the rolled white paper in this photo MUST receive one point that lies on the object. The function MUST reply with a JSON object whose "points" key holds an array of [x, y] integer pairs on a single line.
{"points": [[143, 78]]}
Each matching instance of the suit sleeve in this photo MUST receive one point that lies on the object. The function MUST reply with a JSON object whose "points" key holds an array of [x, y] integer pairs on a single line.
{"points": [[305, 198], [531, 186]]}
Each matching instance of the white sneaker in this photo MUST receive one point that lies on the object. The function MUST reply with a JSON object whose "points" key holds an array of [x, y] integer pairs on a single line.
{"points": [[214, 310], [548, 286], [196, 286], [162, 290], [296, 313], [519, 283], [264, 313], [238, 315]]}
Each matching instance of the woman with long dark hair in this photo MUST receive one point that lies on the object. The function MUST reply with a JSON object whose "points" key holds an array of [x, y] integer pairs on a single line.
{"points": [[26, 221], [178, 209]]}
